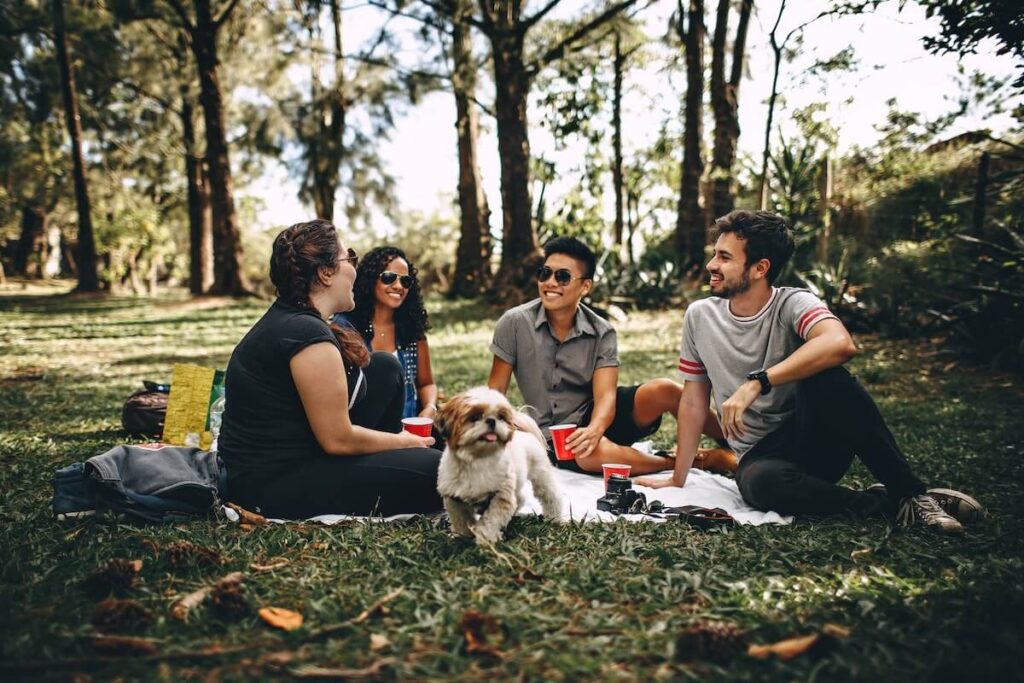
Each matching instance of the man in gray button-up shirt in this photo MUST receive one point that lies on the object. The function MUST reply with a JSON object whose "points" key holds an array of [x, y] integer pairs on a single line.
{"points": [[566, 362]]}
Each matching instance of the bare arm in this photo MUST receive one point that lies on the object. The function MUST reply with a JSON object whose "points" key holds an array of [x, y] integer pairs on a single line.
{"points": [[319, 376], [426, 390], [693, 411], [585, 439], [828, 345], [501, 375]]}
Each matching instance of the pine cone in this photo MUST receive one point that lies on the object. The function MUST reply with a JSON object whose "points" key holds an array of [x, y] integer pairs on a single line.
{"points": [[717, 641], [115, 576], [121, 616], [229, 601], [184, 553]]}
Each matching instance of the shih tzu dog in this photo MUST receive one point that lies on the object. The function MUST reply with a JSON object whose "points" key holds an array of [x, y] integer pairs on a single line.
{"points": [[492, 451]]}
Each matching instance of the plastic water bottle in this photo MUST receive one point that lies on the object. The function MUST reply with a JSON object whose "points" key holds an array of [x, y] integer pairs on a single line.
{"points": [[216, 418]]}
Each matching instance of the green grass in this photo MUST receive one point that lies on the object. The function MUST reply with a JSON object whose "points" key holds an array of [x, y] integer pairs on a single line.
{"points": [[579, 602]]}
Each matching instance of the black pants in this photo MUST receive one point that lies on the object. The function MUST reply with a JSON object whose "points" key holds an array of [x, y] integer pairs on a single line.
{"points": [[385, 483], [795, 468]]}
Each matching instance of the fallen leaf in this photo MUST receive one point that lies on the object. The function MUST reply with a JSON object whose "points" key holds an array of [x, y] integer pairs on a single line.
{"points": [[248, 517], [858, 554], [477, 628], [378, 641], [281, 618], [373, 671], [270, 566], [835, 630], [784, 649], [126, 645]]}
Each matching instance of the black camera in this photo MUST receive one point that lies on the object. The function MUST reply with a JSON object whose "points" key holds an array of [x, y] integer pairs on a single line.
{"points": [[620, 498]]}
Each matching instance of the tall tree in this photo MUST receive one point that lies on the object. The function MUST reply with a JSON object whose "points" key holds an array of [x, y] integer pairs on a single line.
{"points": [[690, 231], [227, 246], [506, 28], [725, 105], [88, 278], [472, 258]]}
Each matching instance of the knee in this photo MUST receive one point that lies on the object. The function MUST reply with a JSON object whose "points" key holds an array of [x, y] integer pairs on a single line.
{"points": [[664, 392], [764, 484]]}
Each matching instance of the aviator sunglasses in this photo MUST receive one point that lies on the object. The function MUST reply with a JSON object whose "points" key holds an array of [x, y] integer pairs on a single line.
{"points": [[563, 276], [388, 277]]}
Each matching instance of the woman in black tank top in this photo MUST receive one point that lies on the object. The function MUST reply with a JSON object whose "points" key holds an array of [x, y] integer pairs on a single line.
{"points": [[313, 420]]}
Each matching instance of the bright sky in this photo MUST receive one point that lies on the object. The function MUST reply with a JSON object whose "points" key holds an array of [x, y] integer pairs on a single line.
{"points": [[892, 63]]}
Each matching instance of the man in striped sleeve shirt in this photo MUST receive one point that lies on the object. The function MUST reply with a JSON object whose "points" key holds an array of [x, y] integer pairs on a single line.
{"points": [[772, 358]]}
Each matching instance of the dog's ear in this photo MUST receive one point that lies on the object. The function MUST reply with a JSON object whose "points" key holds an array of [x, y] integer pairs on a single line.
{"points": [[444, 420]]}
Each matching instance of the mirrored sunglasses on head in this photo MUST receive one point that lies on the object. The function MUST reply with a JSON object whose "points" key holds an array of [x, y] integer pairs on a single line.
{"points": [[388, 277], [563, 276]]}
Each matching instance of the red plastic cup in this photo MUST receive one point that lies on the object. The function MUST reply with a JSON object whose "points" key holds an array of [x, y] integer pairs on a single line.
{"points": [[615, 468], [420, 426], [559, 433]]}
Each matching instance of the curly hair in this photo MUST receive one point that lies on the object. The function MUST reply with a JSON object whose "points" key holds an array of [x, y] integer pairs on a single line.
{"points": [[300, 251], [411, 321]]}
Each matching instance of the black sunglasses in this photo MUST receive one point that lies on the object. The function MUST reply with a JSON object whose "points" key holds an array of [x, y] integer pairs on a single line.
{"points": [[352, 257], [388, 277], [563, 276]]}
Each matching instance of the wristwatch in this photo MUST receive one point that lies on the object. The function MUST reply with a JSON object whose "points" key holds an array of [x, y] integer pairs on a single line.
{"points": [[762, 377]]}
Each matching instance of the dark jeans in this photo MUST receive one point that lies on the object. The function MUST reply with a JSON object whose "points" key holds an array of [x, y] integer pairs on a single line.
{"points": [[386, 483], [795, 468]]}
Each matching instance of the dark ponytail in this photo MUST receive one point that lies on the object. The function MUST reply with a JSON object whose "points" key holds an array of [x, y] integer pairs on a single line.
{"points": [[300, 251]]}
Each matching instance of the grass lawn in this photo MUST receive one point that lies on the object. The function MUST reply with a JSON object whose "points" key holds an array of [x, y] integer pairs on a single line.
{"points": [[578, 602]]}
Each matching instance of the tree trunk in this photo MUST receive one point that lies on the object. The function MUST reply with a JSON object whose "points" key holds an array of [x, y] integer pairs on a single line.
{"points": [[725, 103], [777, 54], [326, 149], [617, 182], [825, 207], [980, 190], [690, 220], [28, 252], [88, 279], [227, 247], [519, 250], [200, 231], [472, 260]]}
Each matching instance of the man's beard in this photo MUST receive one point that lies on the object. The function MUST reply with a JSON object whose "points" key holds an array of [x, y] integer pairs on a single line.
{"points": [[729, 291]]}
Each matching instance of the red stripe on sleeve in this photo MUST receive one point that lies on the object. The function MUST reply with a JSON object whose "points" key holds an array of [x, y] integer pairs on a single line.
{"points": [[810, 317]]}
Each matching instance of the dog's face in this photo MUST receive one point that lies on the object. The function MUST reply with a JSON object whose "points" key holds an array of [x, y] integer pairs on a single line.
{"points": [[476, 423]]}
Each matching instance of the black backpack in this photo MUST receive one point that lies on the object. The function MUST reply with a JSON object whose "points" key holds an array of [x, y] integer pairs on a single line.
{"points": [[145, 411]]}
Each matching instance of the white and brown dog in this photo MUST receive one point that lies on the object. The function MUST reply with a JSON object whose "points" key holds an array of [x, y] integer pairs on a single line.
{"points": [[492, 452]]}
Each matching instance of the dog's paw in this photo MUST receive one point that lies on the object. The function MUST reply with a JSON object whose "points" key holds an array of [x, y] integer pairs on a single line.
{"points": [[487, 538]]}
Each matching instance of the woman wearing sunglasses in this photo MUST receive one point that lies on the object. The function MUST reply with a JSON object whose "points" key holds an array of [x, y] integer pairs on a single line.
{"points": [[389, 313], [313, 420]]}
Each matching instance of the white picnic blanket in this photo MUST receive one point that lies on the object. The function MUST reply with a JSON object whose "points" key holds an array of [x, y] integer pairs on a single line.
{"points": [[582, 491]]}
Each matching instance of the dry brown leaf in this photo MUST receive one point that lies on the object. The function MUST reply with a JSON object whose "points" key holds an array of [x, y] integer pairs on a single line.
{"points": [[784, 649], [378, 641], [477, 628], [858, 554], [835, 630], [279, 617], [373, 671], [270, 566], [125, 645], [246, 517], [527, 575]]}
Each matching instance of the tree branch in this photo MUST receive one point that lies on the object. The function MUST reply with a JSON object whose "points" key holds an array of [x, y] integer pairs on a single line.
{"points": [[225, 13], [580, 33], [395, 12], [179, 9], [529, 22]]}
